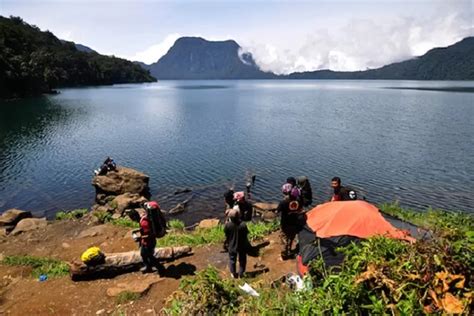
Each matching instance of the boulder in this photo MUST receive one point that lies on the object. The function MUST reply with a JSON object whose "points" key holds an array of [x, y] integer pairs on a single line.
{"points": [[269, 216], [122, 181], [127, 201], [263, 206], [208, 223], [92, 232], [134, 286], [28, 224], [13, 216]]}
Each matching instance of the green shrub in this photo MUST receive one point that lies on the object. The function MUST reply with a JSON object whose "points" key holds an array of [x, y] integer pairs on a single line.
{"points": [[205, 294], [127, 296], [176, 224], [51, 267], [103, 217], [125, 222], [75, 214]]}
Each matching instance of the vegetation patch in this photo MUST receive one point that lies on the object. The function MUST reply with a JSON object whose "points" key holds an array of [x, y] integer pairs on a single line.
{"points": [[378, 276], [48, 266], [75, 214], [124, 222], [214, 235], [176, 225], [127, 296]]}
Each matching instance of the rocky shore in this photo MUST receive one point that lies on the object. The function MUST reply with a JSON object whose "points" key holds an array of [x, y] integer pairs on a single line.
{"points": [[37, 258]]}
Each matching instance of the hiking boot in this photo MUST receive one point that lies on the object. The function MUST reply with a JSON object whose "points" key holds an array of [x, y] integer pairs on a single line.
{"points": [[146, 270]]}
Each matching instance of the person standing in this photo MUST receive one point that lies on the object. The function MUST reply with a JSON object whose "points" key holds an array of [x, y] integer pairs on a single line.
{"points": [[147, 242], [236, 233], [245, 207], [292, 217]]}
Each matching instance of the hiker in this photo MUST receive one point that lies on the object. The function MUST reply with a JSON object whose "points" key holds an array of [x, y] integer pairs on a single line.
{"points": [[108, 165], [236, 233], [342, 193], [306, 191], [292, 217], [146, 239], [245, 207], [229, 199]]}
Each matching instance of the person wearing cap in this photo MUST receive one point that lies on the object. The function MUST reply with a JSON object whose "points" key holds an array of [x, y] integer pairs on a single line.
{"points": [[245, 207], [236, 233], [292, 217], [147, 241]]}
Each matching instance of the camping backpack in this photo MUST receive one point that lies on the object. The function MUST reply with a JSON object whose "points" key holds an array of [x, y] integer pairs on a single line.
{"points": [[157, 219], [306, 191]]}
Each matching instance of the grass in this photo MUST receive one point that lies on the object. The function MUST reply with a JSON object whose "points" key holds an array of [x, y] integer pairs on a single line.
{"points": [[124, 222], [379, 276], [75, 214], [176, 225], [214, 235], [127, 296], [51, 267]]}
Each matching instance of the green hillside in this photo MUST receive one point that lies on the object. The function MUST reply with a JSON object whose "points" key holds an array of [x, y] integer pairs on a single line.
{"points": [[34, 62]]}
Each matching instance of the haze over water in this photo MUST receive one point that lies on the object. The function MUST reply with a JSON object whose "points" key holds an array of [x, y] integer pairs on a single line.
{"points": [[413, 146]]}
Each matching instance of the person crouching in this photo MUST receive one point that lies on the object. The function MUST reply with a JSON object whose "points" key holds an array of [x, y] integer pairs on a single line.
{"points": [[237, 242]]}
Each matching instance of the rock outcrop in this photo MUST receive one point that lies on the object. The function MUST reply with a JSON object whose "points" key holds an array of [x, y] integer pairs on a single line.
{"points": [[12, 217], [120, 190], [124, 180], [208, 223], [28, 224]]}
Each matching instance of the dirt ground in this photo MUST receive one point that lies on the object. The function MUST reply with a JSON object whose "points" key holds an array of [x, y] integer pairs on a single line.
{"points": [[21, 294]]}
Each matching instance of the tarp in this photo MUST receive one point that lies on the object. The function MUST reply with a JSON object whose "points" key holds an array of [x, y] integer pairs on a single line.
{"points": [[351, 218]]}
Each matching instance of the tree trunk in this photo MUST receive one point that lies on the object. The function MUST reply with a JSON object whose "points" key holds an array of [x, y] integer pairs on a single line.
{"points": [[122, 262]]}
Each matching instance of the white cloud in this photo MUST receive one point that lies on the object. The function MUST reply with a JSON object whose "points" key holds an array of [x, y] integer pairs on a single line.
{"points": [[364, 43], [154, 52]]}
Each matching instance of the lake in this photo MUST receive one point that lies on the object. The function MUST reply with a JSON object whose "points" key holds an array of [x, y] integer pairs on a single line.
{"points": [[405, 141]]}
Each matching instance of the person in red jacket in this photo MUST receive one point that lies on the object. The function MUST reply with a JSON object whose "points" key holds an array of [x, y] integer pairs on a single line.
{"points": [[147, 242]]}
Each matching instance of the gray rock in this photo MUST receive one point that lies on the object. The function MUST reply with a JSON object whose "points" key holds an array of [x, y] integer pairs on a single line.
{"points": [[208, 223], [13, 216], [29, 224], [92, 232], [127, 201], [122, 181]]}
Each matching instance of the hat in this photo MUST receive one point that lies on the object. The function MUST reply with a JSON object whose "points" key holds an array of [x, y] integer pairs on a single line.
{"points": [[239, 196], [286, 188], [291, 180]]}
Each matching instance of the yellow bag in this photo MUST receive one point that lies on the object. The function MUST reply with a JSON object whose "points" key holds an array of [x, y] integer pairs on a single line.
{"points": [[93, 254]]}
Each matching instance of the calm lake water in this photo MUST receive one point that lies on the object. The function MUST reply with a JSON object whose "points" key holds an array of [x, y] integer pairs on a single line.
{"points": [[407, 145]]}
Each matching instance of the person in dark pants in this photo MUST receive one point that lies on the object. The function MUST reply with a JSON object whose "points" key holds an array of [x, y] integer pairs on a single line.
{"points": [[292, 217], [236, 233], [147, 242]]}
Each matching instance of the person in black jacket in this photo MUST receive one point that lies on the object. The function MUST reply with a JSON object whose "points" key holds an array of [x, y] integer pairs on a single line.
{"points": [[292, 218], [236, 233]]}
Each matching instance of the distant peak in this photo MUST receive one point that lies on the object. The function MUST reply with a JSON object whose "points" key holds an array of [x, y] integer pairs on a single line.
{"points": [[195, 40]]}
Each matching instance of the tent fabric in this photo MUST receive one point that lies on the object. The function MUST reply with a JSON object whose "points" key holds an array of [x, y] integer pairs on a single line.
{"points": [[353, 218]]}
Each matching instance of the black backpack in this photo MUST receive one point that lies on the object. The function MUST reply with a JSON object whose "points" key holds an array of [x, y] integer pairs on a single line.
{"points": [[306, 191], [158, 221]]}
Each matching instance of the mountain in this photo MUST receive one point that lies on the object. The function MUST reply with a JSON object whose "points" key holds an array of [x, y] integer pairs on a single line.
{"points": [[34, 62], [455, 62], [84, 48], [197, 58], [80, 47]]}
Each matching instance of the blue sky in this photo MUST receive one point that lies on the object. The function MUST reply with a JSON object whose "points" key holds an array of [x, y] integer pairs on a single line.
{"points": [[283, 36]]}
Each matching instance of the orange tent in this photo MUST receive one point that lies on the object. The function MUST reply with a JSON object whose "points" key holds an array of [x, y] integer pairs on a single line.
{"points": [[353, 218]]}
